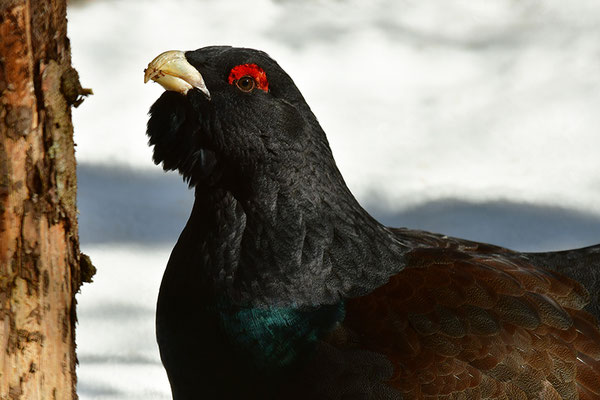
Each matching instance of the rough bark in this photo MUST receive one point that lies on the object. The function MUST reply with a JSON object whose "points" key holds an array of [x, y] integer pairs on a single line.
{"points": [[41, 267]]}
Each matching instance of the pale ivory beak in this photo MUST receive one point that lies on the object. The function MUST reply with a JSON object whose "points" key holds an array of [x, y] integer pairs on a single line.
{"points": [[173, 72]]}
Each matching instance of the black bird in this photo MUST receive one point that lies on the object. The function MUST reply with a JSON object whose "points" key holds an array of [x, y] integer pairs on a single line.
{"points": [[281, 286]]}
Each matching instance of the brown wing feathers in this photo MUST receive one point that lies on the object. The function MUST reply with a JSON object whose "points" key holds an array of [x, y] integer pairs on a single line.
{"points": [[481, 326]]}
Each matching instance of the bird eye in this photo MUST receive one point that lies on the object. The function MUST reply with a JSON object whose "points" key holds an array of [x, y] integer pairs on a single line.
{"points": [[245, 83]]}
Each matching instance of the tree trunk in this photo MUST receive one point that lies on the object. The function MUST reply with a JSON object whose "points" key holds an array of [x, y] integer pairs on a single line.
{"points": [[41, 267]]}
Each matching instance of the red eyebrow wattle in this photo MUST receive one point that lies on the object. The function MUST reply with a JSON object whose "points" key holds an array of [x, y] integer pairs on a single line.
{"points": [[253, 70]]}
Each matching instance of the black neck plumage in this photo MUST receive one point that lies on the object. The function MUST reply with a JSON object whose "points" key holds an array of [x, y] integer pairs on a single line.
{"points": [[291, 241]]}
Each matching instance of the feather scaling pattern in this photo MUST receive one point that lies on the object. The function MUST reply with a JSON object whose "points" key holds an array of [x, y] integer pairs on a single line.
{"points": [[481, 326]]}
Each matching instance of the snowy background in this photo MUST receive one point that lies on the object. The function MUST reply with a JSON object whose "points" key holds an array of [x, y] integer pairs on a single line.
{"points": [[475, 119]]}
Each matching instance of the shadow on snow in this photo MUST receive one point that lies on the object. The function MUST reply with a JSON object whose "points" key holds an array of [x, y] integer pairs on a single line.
{"points": [[122, 205]]}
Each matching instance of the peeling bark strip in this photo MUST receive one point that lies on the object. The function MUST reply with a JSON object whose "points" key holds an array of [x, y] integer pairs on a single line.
{"points": [[39, 248]]}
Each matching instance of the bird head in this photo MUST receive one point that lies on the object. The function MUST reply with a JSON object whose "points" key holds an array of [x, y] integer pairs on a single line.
{"points": [[231, 116]]}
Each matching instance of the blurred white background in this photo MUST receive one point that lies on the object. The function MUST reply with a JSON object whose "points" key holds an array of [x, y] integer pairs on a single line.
{"points": [[475, 119]]}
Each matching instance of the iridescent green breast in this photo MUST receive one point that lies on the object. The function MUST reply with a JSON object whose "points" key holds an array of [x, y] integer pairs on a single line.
{"points": [[275, 338]]}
